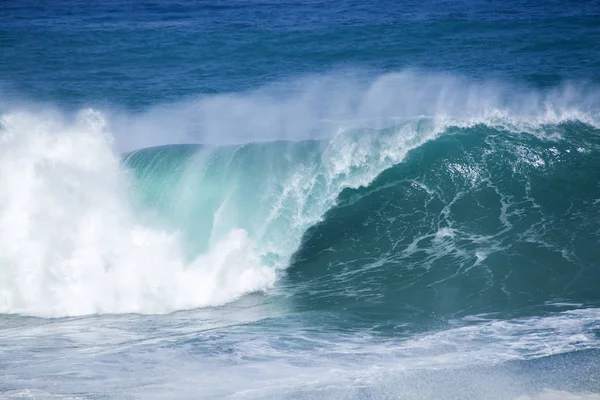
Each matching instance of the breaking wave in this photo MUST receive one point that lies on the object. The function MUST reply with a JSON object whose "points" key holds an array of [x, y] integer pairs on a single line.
{"points": [[398, 184]]}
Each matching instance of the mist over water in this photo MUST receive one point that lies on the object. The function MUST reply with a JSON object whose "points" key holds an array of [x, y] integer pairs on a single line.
{"points": [[321, 106]]}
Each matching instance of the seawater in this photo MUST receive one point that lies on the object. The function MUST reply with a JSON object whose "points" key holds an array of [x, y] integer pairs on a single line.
{"points": [[299, 200]]}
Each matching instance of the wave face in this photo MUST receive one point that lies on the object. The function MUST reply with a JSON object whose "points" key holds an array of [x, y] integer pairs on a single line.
{"points": [[477, 219], [273, 191], [438, 200], [480, 220]]}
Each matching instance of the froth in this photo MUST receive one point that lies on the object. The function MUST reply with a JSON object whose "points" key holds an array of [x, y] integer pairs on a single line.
{"points": [[73, 243], [560, 395]]}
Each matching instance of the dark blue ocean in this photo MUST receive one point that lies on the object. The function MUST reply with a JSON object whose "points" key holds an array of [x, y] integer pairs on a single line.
{"points": [[300, 199]]}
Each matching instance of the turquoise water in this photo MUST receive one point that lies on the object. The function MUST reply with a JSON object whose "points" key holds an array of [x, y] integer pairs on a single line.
{"points": [[299, 200]]}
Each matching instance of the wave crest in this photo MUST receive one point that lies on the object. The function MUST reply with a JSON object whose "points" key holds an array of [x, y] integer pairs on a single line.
{"points": [[184, 227]]}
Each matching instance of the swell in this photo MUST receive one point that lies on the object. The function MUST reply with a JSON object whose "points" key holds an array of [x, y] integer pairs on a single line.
{"points": [[86, 230], [470, 220], [479, 220]]}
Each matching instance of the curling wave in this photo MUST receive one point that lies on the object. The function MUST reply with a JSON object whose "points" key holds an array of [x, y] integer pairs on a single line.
{"points": [[85, 230]]}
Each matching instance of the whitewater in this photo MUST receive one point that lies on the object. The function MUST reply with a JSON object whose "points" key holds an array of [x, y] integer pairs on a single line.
{"points": [[80, 242], [89, 229], [267, 200]]}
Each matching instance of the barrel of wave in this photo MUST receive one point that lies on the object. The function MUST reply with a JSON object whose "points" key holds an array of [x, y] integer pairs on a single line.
{"points": [[481, 220]]}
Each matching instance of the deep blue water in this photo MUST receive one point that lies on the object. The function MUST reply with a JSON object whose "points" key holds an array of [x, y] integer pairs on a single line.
{"points": [[142, 53], [300, 199]]}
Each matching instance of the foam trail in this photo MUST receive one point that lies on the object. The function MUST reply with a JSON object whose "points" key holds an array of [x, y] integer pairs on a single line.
{"points": [[560, 395], [72, 243]]}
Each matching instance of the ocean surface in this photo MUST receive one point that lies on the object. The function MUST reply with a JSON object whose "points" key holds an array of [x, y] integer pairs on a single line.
{"points": [[288, 199]]}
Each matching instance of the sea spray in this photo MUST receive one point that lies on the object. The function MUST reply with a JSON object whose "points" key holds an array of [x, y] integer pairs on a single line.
{"points": [[74, 244]]}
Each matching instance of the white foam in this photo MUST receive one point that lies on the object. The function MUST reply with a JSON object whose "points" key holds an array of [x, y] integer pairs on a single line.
{"points": [[217, 354], [560, 395], [72, 243]]}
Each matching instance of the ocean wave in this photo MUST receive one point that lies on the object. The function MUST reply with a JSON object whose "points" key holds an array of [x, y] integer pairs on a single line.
{"points": [[168, 228]]}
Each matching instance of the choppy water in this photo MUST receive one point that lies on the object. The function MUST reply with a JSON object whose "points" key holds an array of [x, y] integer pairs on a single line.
{"points": [[300, 200]]}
